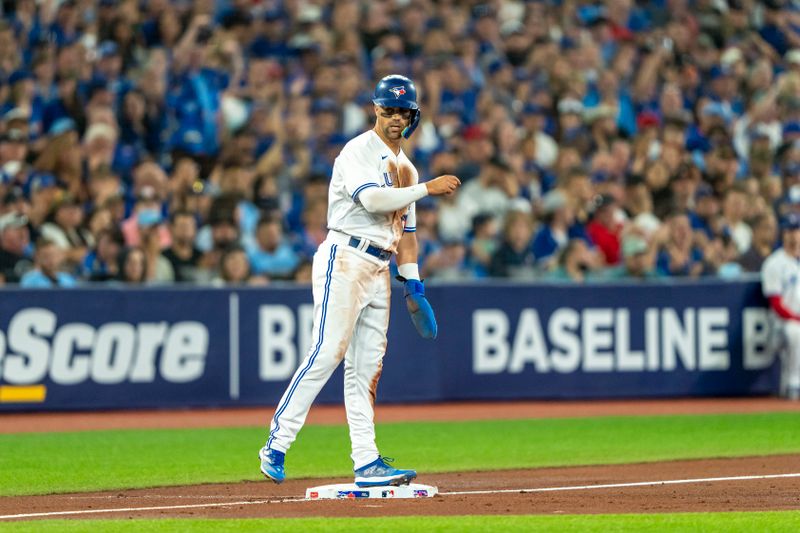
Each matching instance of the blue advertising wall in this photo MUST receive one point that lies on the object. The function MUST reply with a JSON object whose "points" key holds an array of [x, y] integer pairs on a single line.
{"points": [[171, 347]]}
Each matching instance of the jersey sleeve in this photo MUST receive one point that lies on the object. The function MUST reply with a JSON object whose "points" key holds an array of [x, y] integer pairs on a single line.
{"points": [[411, 215], [411, 219], [357, 172], [771, 277]]}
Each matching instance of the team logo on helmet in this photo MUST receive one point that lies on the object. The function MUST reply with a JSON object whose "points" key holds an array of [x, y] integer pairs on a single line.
{"points": [[397, 91]]}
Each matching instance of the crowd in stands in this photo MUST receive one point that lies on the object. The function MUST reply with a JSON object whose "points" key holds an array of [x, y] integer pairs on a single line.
{"points": [[158, 141]]}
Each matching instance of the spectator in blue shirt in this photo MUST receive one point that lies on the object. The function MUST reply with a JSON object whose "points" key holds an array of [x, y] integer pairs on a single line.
{"points": [[678, 255], [273, 255], [554, 233], [47, 272], [100, 264]]}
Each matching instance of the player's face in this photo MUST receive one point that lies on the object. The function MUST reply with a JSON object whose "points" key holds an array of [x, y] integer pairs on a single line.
{"points": [[392, 121]]}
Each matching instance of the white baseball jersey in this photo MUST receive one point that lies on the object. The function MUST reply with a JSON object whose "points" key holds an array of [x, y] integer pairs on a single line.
{"points": [[780, 276], [351, 297], [367, 162]]}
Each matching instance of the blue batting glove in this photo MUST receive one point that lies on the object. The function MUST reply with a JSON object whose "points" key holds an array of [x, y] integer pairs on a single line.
{"points": [[421, 312]]}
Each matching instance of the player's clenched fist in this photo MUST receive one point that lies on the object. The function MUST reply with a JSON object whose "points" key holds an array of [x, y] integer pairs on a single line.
{"points": [[445, 184]]}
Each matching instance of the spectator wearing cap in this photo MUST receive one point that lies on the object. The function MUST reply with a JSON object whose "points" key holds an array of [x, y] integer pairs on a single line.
{"points": [[19, 118], [677, 255], [721, 255], [544, 149], [64, 228], [602, 126], [638, 261], [712, 114], [48, 264], [476, 150], [62, 158], [14, 242], [13, 155], [606, 91], [758, 160], [183, 255], [605, 229], [553, 235], [41, 191], [24, 107], [704, 216], [724, 88], [99, 145], [149, 184], [514, 258], [108, 69], [570, 123]]}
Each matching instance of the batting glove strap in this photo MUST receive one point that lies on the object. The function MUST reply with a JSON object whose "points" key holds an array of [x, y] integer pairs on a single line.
{"points": [[412, 286]]}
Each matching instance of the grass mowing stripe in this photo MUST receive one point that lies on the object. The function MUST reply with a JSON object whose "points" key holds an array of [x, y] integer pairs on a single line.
{"points": [[41, 463], [763, 522]]}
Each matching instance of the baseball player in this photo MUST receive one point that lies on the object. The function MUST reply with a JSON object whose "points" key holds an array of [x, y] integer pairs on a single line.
{"points": [[370, 217], [780, 282]]}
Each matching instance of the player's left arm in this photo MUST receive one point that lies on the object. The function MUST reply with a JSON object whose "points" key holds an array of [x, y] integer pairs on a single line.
{"points": [[421, 311]]}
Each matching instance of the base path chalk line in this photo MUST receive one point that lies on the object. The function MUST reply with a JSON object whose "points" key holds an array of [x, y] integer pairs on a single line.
{"points": [[619, 485], [457, 493]]}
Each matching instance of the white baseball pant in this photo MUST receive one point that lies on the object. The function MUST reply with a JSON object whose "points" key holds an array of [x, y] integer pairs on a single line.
{"points": [[351, 316], [789, 331]]}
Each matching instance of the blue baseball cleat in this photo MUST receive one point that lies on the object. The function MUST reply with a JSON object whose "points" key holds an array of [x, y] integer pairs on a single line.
{"points": [[272, 464], [379, 474]]}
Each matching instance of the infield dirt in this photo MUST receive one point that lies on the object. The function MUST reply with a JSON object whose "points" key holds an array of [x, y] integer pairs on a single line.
{"points": [[265, 499]]}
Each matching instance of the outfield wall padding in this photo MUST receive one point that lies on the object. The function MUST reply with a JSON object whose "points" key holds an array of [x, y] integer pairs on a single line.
{"points": [[179, 347]]}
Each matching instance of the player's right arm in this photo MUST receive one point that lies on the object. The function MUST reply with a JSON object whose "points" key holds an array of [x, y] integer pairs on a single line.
{"points": [[390, 199]]}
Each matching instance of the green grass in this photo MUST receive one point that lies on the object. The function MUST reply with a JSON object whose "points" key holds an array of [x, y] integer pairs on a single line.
{"points": [[43, 463], [689, 522]]}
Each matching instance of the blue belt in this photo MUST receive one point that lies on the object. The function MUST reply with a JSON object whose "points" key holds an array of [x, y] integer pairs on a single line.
{"points": [[374, 251]]}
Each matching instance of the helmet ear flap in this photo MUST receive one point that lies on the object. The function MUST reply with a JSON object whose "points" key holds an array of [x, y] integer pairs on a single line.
{"points": [[408, 130]]}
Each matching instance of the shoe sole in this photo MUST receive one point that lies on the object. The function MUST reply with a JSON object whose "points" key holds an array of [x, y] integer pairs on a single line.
{"points": [[404, 479], [274, 480], [277, 481]]}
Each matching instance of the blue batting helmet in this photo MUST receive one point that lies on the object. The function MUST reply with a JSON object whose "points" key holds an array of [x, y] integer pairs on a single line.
{"points": [[398, 91]]}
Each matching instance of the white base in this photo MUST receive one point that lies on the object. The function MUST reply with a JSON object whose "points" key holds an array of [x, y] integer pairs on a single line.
{"points": [[346, 491]]}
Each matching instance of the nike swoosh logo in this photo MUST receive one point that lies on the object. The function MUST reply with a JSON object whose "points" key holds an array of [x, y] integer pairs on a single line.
{"points": [[384, 157]]}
